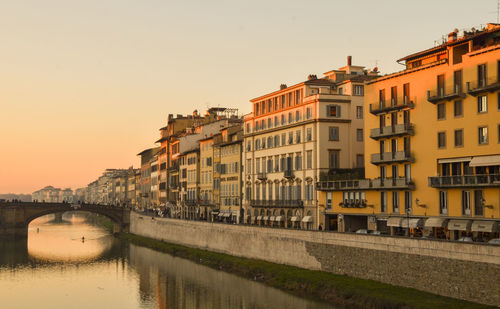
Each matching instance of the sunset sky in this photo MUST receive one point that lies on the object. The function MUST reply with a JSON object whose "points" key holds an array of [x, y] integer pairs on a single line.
{"points": [[85, 85]]}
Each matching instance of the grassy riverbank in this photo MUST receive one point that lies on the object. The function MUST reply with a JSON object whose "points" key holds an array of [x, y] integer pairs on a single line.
{"points": [[338, 289]]}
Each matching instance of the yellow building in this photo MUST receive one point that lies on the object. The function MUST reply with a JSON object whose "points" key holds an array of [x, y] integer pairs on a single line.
{"points": [[227, 182], [432, 145], [206, 201]]}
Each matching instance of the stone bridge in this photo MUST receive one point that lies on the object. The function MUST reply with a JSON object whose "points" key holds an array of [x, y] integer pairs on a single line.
{"points": [[16, 216]]}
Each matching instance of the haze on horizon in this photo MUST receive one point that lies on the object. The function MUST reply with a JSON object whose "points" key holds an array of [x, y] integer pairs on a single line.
{"points": [[86, 85]]}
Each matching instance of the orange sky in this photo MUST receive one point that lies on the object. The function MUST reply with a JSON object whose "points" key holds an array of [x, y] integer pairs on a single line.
{"points": [[85, 85]]}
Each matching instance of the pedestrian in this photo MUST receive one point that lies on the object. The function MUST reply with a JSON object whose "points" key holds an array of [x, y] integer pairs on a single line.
{"points": [[320, 227]]}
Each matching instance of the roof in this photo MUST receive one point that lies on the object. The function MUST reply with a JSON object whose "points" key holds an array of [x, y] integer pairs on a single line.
{"points": [[312, 82], [467, 37]]}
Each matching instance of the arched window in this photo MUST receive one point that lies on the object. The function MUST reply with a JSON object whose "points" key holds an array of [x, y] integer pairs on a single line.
{"points": [[269, 142], [290, 118]]}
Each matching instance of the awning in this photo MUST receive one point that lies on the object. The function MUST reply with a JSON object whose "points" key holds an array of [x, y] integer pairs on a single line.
{"points": [[265, 218], [307, 219], [293, 219], [459, 225], [278, 219], [227, 214], [221, 214], [259, 218], [271, 218], [454, 160], [394, 221], [411, 223], [485, 161], [484, 226], [436, 222]]}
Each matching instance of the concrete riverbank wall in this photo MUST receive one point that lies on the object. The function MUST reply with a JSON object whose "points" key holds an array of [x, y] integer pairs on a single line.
{"points": [[459, 270]]}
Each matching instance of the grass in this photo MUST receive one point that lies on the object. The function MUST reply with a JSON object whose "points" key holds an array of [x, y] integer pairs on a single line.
{"points": [[318, 285]]}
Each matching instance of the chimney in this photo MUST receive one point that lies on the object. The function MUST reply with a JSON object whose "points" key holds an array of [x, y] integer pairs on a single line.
{"points": [[349, 60], [283, 86], [312, 77], [452, 36]]}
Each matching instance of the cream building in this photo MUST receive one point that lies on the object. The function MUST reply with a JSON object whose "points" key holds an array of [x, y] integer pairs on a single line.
{"points": [[297, 135]]}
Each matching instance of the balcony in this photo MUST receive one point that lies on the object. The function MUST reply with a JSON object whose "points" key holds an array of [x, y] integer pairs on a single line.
{"points": [[391, 157], [261, 176], [465, 181], [277, 203], [392, 183], [390, 131], [353, 204], [288, 174], [340, 185], [442, 94], [480, 86], [382, 107], [191, 202], [206, 202]]}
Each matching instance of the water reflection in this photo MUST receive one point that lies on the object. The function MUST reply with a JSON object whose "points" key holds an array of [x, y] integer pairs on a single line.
{"points": [[177, 283], [68, 241], [54, 269]]}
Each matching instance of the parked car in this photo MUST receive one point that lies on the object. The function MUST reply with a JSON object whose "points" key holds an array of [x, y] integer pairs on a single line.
{"points": [[465, 239], [494, 241], [375, 233], [362, 231]]}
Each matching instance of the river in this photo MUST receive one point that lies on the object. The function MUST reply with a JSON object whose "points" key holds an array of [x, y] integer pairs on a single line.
{"points": [[54, 268]]}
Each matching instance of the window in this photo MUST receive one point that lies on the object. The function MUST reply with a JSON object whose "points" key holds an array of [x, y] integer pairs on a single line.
{"points": [[283, 139], [341, 90], [290, 138], [482, 104], [248, 128], [298, 161], [478, 203], [297, 116], [269, 142], [481, 75], [333, 111], [441, 111], [483, 135], [458, 108], [309, 135], [441, 139], [333, 158], [276, 122], [290, 118], [257, 144], [359, 135], [359, 112], [333, 133], [309, 112], [276, 141], [297, 96], [408, 202], [443, 202], [256, 109], [395, 201], [359, 90], [282, 119], [297, 137], [309, 159], [309, 194], [276, 163], [360, 161], [459, 138], [383, 201], [269, 123], [466, 203]]}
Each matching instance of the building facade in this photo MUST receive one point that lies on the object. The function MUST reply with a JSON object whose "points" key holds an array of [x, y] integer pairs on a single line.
{"points": [[432, 145], [294, 137]]}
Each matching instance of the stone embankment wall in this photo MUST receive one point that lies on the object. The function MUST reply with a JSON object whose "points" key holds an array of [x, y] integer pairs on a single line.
{"points": [[459, 270]]}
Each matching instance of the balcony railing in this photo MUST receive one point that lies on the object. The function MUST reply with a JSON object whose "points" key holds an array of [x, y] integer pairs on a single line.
{"points": [[397, 130], [480, 86], [261, 176], [461, 181], [448, 93], [392, 105], [353, 204], [393, 183], [391, 157], [365, 184], [339, 185], [288, 174], [277, 203], [191, 202]]}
